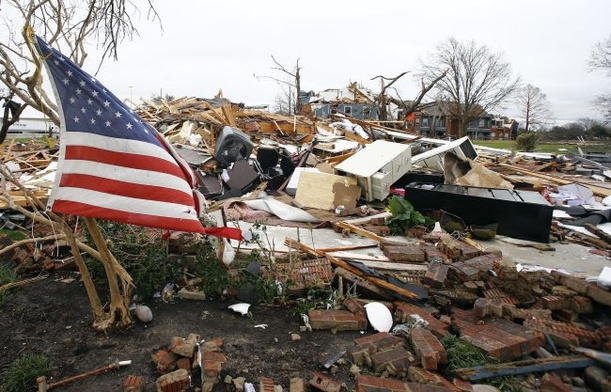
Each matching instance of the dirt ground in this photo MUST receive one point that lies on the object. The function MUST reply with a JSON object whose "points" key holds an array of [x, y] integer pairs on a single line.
{"points": [[53, 317]]}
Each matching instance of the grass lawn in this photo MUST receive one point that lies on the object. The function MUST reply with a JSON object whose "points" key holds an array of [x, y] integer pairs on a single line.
{"points": [[557, 147]]}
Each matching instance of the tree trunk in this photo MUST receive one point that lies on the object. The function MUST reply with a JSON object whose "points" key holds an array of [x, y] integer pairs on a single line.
{"points": [[119, 301]]}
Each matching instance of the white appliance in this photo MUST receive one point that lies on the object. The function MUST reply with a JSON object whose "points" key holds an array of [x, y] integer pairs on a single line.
{"points": [[376, 167]]}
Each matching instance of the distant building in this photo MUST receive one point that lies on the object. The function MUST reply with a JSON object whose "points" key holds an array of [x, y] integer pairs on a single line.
{"points": [[27, 125]]}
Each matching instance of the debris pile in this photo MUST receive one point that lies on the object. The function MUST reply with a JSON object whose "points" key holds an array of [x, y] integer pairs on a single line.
{"points": [[413, 271]]}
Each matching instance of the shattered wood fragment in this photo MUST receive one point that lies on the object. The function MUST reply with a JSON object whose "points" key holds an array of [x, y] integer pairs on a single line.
{"points": [[360, 281]]}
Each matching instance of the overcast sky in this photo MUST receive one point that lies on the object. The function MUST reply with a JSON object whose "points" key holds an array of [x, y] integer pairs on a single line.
{"points": [[209, 46]]}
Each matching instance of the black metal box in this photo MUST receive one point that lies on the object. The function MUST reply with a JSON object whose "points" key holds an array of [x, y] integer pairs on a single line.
{"points": [[519, 214]]}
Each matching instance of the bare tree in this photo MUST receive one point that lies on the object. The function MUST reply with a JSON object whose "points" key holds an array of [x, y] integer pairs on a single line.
{"points": [[533, 106], [477, 80], [293, 96], [600, 60], [67, 24]]}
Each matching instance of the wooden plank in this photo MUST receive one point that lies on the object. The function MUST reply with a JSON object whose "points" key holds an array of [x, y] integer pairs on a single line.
{"points": [[523, 367], [360, 231], [598, 191], [359, 281], [229, 114]]}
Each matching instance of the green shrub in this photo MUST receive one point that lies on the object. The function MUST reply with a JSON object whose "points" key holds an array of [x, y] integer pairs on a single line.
{"points": [[21, 374], [527, 141], [405, 216], [142, 253]]}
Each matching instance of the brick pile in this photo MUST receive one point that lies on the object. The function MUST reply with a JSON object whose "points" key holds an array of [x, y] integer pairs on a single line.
{"points": [[178, 363]]}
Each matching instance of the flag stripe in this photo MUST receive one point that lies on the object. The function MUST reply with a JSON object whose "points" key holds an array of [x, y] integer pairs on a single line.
{"points": [[87, 139], [113, 165], [133, 161], [127, 204], [126, 189], [140, 219], [135, 176]]}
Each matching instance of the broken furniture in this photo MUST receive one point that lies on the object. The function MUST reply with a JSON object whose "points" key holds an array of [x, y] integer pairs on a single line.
{"points": [[520, 214], [463, 148], [231, 146], [376, 167]]}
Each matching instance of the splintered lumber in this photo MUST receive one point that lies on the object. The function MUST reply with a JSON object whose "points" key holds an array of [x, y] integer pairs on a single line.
{"points": [[597, 190], [523, 367], [360, 281], [599, 232], [360, 231], [376, 280]]}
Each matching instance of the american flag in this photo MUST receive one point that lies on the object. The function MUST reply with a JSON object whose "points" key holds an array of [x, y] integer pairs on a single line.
{"points": [[113, 165]]}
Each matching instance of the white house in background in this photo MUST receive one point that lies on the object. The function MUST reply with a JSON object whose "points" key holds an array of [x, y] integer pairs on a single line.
{"points": [[31, 125]]}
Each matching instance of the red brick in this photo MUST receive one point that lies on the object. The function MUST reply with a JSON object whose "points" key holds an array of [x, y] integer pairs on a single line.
{"points": [[554, 302], [582, 304], [405, 253], [588, 289], [340, 320], [380, 230], [476, 268], [377, 384], [419, 375], [165, 361], [354, 305], [299, 276], [133, 384], [184, 363], [553, 383], [395, 361], [404, 311], [566, 334], [175, 381], [379, 341], [213, 345], [324, 383], [462, 385], [428, 348], [436, 274], [266, 384], [499, 338]]}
